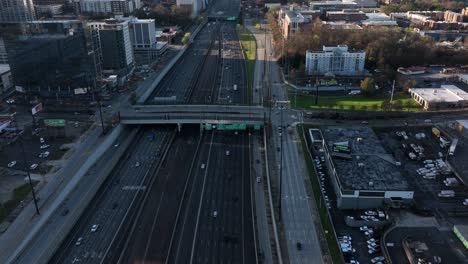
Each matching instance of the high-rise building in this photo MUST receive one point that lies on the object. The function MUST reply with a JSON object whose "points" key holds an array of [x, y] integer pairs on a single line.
{"points": [[16, 11], [115, 7], [116, 47], [3, 53], [52, 64], [143, 37], [337, 60]]}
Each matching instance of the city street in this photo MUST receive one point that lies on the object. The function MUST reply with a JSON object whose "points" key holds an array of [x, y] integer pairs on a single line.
{"points": [[297, 216]]}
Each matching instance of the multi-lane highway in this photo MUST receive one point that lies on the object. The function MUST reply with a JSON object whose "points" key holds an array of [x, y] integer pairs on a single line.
{"points": [[184, 191], [114, 200]]}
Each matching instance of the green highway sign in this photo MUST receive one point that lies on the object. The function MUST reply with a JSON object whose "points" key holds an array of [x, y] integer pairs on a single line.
{"points": [[231, 18], [208, 126], [257, 126], [54, 122], [241, 126]]}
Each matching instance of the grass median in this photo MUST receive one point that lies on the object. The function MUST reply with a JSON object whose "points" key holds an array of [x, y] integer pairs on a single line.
{"points": [[401, 102], [327, 225], [249, 48]]}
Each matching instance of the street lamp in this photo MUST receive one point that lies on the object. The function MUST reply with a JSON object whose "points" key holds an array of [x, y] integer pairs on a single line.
{"points": [[281, 163], [29, 176]]}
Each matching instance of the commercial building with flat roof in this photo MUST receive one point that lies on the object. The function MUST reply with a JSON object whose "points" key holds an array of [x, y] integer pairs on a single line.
{"points": [[115, 7], [337, 60], [6, 80], [445, 97], [363, 174]]}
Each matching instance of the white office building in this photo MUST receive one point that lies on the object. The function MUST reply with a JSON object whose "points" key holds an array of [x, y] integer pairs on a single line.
{"points": [[336, 60], [143, 37], [116, 7]]}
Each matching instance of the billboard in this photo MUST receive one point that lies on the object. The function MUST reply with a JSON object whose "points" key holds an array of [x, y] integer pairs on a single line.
{"points": [[36, 109]]}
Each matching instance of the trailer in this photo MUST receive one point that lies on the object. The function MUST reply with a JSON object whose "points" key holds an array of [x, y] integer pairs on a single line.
{"points": [[453, 146]]}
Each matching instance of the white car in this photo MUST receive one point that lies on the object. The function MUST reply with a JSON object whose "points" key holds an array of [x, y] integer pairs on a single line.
{"points": [[372, 240], [34, 166], [12, 164], [42, 140], [10, 101], [44, 154], [369, 232], [94, 228], [78, 242], [465, 202], [137, 164], [228, 153], [377, 259], [44, 146], [259, 179], [370, 213], [215, 214], [364, 228]]}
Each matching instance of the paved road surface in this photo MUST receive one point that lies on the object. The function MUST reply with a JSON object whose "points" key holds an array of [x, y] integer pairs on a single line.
{"points": [[296, 210]]}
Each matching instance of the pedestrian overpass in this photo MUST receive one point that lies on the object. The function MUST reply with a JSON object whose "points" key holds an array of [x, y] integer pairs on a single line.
{"points": [[216, 116]]}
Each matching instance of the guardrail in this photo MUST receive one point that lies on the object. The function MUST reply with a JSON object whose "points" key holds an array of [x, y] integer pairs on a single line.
{"points": [[270, 199], [55, 206]]}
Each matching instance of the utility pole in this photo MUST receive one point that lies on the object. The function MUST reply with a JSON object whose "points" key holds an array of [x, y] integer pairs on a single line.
{"points": [[393, 90], [100, 115], [29, 176]]}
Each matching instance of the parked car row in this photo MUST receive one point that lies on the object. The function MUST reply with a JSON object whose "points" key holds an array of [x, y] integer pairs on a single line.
{"points": [[320, 166]]}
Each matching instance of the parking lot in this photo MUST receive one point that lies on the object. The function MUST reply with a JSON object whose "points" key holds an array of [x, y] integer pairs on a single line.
{"points": [[429, 184], [354, 243], [432, 243]]}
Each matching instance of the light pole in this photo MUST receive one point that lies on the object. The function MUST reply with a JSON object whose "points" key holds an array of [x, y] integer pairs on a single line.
{"points": [[29, 176], [281, 164]]}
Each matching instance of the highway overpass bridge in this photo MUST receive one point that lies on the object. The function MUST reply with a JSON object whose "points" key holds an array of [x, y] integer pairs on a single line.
{"points": [[226, 116]]}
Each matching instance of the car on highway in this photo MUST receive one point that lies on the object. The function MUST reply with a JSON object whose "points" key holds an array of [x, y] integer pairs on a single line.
{"points": [[34, 166], [259, 179], [116, 145], [94, 228], [299, 246], [10, 101], [228, 153], [79, 241], [137, 164], [203, 166], [42, 140], [44, 146], [12, 164], [215, 214], [465, 202]]}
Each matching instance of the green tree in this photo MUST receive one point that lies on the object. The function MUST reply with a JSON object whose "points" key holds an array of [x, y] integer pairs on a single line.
{"points": [[186, 38], [368, 86]]}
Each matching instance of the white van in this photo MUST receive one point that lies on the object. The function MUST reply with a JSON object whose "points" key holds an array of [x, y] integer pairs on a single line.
{"points": [[446, 193]]}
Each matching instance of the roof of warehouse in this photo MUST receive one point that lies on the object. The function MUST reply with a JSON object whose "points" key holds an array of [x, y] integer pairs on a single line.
{"points": [[370, 167]]}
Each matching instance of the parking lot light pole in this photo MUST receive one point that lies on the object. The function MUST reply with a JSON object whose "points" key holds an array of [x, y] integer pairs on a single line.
{"points": [[29, 177]]}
